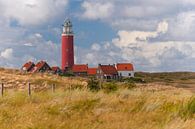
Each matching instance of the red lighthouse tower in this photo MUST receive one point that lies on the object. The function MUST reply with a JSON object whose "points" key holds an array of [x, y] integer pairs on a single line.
{"points": [[67, 46]]}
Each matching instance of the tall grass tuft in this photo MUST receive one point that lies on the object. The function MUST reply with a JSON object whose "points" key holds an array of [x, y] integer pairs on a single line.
{"points": [[188, 110]]}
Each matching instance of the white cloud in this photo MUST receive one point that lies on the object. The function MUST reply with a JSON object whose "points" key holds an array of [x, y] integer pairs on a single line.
{"points": [[95, 47], [97, 10], [38, 35], [162, 27], [144, 15], [182, 26], [31, 12], [7, 53], [131, 37], [14, 54]]}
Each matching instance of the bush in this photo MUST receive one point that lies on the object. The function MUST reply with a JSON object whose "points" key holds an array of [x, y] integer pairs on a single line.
{"points": [[93, 85], [68, 73], [110, 87], [134, 80]]}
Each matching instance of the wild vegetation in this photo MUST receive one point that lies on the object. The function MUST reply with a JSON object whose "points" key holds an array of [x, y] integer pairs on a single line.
{"points": [[80, 103]]}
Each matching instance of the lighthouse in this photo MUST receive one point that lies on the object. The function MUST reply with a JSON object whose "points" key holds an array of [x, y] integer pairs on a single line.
{"points": [[67, 46]]}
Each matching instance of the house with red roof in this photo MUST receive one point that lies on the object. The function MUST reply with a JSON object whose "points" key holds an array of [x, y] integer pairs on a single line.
{"points": [[27, 67], [80, 69], [92, 71], [125, 70], [107, 72], [41, 66]]}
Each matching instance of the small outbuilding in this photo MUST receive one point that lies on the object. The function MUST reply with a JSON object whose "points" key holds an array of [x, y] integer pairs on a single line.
{"points": [[125, 70]]}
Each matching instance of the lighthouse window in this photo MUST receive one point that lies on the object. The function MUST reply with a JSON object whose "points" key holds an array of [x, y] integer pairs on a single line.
{"points": [[67, 50]]}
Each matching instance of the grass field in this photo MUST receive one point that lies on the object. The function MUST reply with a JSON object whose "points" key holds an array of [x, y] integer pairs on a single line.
{"points": [[177, 79], [83, 109], [74, 106]]}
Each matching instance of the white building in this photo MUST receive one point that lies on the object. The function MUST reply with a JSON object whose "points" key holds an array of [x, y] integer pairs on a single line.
{"points": [[125, 70]]}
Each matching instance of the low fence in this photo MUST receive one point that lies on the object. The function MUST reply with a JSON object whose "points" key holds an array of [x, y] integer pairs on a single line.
{"points": [[29, 91]]}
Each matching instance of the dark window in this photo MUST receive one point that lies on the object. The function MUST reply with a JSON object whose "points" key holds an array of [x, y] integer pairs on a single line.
{"points": [[129, 74], [108, 77]]}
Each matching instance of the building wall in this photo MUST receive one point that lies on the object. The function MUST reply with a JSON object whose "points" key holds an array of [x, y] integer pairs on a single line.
{"points": [[126, 73]]}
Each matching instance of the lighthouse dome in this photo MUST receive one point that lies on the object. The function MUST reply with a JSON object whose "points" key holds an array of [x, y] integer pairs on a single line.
{"points": [[67, 27]]}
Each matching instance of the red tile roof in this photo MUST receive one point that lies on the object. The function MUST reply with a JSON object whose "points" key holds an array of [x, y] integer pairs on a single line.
{"points": [[92, 71], [108, 69], [39, 65], [124, 67], [80, 68], [28, 66]]}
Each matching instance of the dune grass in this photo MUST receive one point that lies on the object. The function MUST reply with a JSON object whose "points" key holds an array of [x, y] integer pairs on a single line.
{"points": [[77, 104], [83, 109]]}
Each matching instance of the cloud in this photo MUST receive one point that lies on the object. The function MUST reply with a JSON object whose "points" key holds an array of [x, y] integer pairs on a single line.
{"points": [[96, 47], [155, 35], [144, 15], [33, 47], [7, 53], [31, 12], [38, 35], [182, 26], [130, 37], [163, 27], [97, 10]]}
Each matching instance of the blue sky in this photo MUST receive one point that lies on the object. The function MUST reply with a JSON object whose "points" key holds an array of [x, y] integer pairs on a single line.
{"points": [[155, 35]]}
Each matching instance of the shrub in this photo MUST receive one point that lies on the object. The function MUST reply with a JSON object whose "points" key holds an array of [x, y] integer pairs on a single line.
{"points": [[110, 87], [68, 73], [134, 80], [93, 85]]}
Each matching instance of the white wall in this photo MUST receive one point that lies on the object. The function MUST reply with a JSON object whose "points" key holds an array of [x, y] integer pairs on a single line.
{"points": [[126, 73]]}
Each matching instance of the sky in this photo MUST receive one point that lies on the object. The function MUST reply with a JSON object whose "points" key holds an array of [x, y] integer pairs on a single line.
{"points": [[154, 35]]}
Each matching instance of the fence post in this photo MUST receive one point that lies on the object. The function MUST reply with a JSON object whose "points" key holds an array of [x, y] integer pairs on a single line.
{"points": [[2, 89], [100, 82], [29, 89], [53, 88]]}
